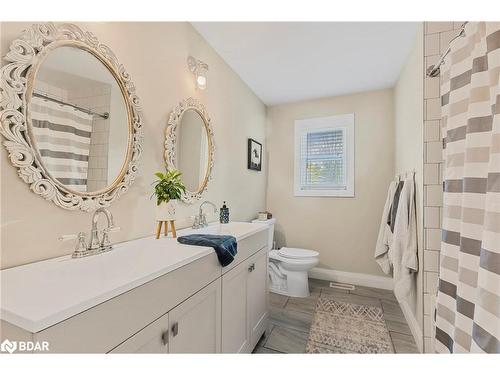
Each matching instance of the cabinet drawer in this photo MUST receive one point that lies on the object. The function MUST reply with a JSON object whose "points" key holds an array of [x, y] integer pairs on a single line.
{"points": [[247, 247], [103, 327]]}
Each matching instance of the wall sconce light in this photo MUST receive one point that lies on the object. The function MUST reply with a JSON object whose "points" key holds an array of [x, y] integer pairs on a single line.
{"points": [[199, 69]]}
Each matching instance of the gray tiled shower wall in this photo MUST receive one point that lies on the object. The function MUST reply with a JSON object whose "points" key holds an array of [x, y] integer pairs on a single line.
{"points": [[437, 36]]}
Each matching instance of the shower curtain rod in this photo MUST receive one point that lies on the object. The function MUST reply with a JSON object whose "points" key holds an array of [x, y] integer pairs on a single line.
{"points": [[434, 70], [104, 115]]}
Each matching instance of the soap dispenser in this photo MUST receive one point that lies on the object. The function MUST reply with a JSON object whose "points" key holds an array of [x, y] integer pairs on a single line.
{"points": [[224, 214]]}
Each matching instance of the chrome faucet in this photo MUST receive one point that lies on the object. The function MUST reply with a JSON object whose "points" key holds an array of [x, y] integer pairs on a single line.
{"points": [[200, 221], [94, 233], [96, 245]]}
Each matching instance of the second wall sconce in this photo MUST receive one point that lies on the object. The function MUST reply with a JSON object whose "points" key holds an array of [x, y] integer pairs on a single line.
{"points": [[200, 70]]}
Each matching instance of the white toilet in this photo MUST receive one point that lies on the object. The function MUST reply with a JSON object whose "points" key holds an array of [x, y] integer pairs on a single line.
{"points": [[288, 267]]}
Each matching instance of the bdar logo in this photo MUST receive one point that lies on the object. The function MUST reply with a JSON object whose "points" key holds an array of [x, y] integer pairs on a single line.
{"points": [[24, 346], [8, 346]]}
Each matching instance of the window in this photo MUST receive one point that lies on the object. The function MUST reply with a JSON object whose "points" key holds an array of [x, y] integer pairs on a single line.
{"points": [[324, 156]]}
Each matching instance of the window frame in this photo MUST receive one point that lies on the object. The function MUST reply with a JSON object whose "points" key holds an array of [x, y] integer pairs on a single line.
{"points": [[346, 122]]}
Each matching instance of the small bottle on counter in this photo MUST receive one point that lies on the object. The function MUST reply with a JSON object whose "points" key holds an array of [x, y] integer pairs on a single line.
{"points": [[224, 214]]}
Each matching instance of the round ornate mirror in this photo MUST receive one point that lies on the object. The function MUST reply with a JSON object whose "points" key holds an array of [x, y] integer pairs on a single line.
{"points": [[189, 147], [71, 115]]}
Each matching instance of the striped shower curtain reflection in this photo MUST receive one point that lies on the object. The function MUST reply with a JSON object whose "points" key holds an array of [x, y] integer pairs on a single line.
{"points": [[62, 135]]}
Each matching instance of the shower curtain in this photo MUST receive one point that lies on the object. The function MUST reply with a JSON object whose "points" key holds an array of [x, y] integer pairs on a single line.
{"points": [[468, 301], [63, 139]]}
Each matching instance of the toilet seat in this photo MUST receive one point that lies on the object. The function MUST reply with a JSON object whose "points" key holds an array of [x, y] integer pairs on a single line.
{"points": [[296, 253]]}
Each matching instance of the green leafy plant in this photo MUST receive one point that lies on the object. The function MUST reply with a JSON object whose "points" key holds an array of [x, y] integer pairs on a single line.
{"points": [[168, 186]]}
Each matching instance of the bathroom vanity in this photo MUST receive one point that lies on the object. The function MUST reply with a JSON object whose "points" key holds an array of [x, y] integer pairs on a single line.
{"points": [[146, 295]]}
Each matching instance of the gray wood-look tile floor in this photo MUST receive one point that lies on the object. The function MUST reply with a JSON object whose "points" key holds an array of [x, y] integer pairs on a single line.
{"points": [[291, 318]]}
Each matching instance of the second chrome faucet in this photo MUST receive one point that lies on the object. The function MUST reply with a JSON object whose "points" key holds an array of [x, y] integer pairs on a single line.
{"points": [[200, 221]]}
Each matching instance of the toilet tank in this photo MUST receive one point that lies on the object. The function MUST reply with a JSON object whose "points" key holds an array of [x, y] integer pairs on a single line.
{"points": [[270, 234]]}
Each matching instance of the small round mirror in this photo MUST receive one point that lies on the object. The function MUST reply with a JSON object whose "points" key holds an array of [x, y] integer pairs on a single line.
{"points": [[189, 147]]}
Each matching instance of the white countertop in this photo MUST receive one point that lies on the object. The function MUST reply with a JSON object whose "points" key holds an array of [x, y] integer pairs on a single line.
{"points": [[38, 295]]}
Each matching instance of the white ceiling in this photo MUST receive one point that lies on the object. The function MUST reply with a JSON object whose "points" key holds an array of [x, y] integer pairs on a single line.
{"points": [[292, 61]]}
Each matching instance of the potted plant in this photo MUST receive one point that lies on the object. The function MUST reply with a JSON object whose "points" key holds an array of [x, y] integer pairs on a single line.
{"points": [[167, 190]]}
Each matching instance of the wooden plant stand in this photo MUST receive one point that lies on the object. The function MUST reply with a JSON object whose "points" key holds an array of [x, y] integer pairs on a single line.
{"points": [[172, 226]]}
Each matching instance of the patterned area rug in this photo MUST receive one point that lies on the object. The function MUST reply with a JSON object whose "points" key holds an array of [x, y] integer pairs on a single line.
{"points": [[340, 327]]}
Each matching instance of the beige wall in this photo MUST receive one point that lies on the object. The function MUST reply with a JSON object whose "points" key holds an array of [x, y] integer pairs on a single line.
{"points": [[408, 127], [155, 56], [343, 230]]}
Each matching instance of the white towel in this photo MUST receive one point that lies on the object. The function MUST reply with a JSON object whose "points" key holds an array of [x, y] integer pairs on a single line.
{"points": [[403, 250], [384, 234]]}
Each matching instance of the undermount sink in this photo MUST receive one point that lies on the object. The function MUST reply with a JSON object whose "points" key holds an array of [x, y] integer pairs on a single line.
{"points": [[237, 229]]}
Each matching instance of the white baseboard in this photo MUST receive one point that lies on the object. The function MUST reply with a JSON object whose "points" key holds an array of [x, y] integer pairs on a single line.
{"points": [[362, 279], [415, 328]]}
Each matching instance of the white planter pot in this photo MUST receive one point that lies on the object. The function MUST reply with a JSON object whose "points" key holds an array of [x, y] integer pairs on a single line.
{"points": [[166, 211]]}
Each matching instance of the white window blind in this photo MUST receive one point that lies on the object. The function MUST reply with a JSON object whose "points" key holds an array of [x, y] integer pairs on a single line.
{"points": [[323, 159], [324, 156]]}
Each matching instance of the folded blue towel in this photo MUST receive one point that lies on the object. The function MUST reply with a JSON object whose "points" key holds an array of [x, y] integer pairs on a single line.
{"points": [[226, 247]]}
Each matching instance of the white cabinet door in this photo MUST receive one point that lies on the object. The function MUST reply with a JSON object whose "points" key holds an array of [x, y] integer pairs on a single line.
{"points": [[235, 328], [257, 296], [244, 304], [195, 325], [151, 339]]}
